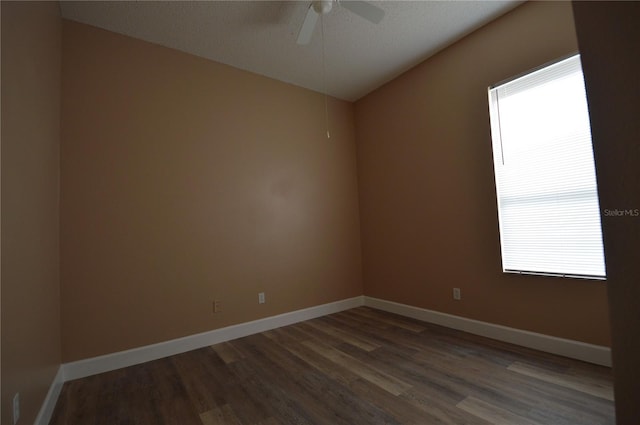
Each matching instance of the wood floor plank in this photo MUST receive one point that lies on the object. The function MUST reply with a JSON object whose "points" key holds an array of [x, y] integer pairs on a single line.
{"points": [[382, 379], [269, 421], [440, 388], [402, 409], [356, 367], [227, 353], [344, 336], [223, 415], [493, 414], [312, 334], [287, 376], [337, 405], [452, 372], [336, 372], [278, 403], [201, 379], [287, 334], [599, 388], [419, 376], [504, 389], [393, 320]]}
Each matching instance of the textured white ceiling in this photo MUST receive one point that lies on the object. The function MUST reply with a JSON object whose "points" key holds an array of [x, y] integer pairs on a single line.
{"points": [[260, 36]]}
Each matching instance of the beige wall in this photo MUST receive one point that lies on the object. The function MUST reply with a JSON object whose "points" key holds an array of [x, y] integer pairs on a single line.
{"points": [[608, 34], [427, 197], [31, 36], [184, 180]]}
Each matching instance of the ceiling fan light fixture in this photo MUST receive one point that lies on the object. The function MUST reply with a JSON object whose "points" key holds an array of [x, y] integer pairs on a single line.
{"points": [[318, 8], [322, 7]]}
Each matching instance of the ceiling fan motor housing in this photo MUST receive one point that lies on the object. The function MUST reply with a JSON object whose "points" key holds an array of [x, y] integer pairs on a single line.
{"points": [[322, 7], [318, 8]]}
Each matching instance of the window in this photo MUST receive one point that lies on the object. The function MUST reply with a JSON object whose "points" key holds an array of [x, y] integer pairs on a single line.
{"points": [[548, 206]]}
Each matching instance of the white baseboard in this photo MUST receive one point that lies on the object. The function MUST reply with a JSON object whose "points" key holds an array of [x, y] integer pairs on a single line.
{"points": [[49, 403], [109, 362], [565, 347], [87, 367]]}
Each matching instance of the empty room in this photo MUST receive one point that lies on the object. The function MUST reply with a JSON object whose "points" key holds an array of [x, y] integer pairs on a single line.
{"points": [[327, 212]]}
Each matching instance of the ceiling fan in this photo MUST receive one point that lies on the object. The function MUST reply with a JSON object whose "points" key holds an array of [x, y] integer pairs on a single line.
{"points": [[321, 7]]}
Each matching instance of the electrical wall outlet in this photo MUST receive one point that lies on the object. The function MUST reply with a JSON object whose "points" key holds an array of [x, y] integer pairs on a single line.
{"points": [[261, 299], [456, 294], [16, 408]]}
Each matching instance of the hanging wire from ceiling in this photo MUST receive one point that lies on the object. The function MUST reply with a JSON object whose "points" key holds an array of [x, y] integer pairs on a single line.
{"points": [[324, 78]]}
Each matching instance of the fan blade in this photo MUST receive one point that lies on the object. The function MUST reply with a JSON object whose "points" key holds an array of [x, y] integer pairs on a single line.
{"points": [[366, 10], [309, 24]]}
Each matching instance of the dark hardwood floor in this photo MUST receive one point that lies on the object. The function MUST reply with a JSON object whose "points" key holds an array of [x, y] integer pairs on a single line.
{"points": [[361, 366]]}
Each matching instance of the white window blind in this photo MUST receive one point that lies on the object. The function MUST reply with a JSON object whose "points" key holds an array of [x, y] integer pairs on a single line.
{"points": [[548, 205]]}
